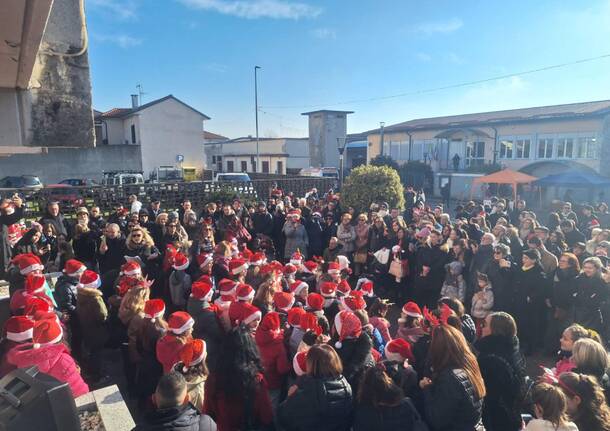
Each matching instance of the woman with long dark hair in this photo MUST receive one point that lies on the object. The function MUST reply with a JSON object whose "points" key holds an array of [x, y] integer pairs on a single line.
{"points": [[453, 397], [591, 296], [587, 405], [562, 298], [236, 391]]}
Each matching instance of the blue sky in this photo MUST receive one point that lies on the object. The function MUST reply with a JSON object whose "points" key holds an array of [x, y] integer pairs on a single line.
{"points": [[319, 54]]}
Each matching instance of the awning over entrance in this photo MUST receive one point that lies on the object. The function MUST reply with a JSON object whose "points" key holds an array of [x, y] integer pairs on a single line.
{"points": [[446, 134]]}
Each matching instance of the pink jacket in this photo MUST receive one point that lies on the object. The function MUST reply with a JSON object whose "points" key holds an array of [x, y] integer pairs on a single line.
{"points": [[564, 365], [54, 360]]}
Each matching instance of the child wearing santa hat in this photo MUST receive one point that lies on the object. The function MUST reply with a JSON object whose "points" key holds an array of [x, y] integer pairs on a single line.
{"points": [[193, 367], [180, 330], [92, 315], [65, 287], [180, 281], [50, 355], [17, 330], [410, 323]]}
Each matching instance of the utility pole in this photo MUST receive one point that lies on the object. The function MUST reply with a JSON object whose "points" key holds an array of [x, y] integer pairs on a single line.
{"points": [[381, 126], [256, 115]]}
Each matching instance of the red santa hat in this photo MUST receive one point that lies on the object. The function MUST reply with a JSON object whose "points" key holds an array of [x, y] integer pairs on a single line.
{"points": [[277, 266], [347, 325], [46, 332], [245, 313], [290, 270], [192, 353], [34, 284], [202, 291], [411, 309], [270, 323], [204, 259], [227, 287], [205, 279], [398, 350], [44, 315], [27, 263], [366, 286], [294, 316], [35, 304], [238, 265], [295, 214], [315, 301], [310, 266], [296, 258], [154, 308], [74, 268], [344, 288], [181, 262], [355, 301], [283, 301], [258, 258], [328, 289], [19, 328], [89, 279], [343, 262], [309, 322], [333, 268], [131, 268], [179, 322], [246, 253], [244, 292], [298, 286], [299, 363]]}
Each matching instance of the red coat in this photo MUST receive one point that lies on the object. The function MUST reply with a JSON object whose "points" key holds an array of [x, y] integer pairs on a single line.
{"points": [[168, 348], [54, 360], [273, 356], [228, 411]]}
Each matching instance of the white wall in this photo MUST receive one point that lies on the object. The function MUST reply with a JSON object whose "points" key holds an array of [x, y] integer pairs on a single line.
{"points": [[299, 153], [112, 129], [167, 129]]}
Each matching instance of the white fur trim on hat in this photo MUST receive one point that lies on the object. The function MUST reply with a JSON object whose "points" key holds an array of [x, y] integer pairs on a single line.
{"points": [[31, 268], [188, 325], [182, 267], [53, 341], [396, 357], [136, 271], [252, 317], [249, 297], [93, 285], [156, 315], [410, 314], [206, 262], [20, 336], [239, 269]]}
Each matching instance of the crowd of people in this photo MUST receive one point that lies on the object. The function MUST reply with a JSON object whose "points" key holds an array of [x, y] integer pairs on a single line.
{"points": [[280, 314]]}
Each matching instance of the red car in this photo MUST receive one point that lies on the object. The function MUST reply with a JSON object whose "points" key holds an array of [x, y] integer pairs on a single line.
{"points": [[67, 196]]}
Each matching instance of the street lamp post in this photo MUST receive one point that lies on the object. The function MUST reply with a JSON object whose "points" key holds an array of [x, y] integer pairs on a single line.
{"points": [[341, 151], [381, 126], [256, 114]]}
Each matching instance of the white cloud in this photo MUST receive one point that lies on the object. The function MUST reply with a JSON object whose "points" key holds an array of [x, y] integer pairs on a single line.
{"points": [[324, 33], [122, 9], [122, 40], [253, 9], [438, 27], [454, 58]]}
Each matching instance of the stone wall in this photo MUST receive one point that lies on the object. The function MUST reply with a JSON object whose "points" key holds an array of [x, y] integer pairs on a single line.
{"points": [[61, 163]]}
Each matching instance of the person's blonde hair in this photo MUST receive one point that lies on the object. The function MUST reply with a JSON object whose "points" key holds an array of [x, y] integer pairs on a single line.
{"points": [[578, 331], [589, 354], [80, 229], [265, 291], [135, 298], [223, 248], [146, 238]]}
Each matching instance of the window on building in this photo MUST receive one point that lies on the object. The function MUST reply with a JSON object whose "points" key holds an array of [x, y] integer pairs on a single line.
{"points": [[133, 133], [565, 148], [395, 150], [230, 167], [545, 148], [587, 148], [244, 166], [522, 148], [475, 153], [506, 149], [213, 159], [280, 167], [265, 167]]}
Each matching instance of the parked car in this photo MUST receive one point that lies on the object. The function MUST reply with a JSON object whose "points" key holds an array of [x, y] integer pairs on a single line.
{"points": [[122, 178], [232, 177], [30, 182], [79, 182], [68, 196]]}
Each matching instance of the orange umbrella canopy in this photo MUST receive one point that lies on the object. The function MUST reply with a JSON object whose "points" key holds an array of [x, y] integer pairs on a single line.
{"points": [[505, 176]]}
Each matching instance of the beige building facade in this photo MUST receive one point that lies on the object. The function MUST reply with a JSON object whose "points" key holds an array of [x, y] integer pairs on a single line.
{"points": [[540, 141]]}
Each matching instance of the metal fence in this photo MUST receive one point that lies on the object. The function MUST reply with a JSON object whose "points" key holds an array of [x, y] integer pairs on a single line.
{"points": [[171, 194]]}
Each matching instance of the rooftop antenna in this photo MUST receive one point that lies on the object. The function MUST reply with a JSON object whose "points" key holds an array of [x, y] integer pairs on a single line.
{"points": [[140, 93]]}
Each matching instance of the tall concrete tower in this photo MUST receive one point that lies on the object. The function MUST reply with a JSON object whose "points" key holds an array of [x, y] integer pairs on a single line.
{"points": [[324, 128]]}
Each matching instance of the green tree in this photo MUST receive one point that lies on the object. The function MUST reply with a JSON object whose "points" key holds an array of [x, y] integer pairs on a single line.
{"points": [[367, 184], [383, 160]]}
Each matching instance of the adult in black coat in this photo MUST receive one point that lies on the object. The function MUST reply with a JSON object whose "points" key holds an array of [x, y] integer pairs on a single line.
{"points": [[501, 271], [562, 299], [262, 220], [321, 400], [382, 404], [531, 290], [53, 216], [591, 297], [503, 370], [11, 211], [482, 257], [329, 229], [207, 327], [315, 233], [111, 249], [355, 354], [172, 413]]}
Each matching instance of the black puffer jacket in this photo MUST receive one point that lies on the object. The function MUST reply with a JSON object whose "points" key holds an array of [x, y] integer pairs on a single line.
{"points": [[356, 356], [503, 370], [65, 294], [590, 302], [451, 403], [183, 418], [320, 405], [564, 287], [395, 418], [207, 327], [501, 280]]}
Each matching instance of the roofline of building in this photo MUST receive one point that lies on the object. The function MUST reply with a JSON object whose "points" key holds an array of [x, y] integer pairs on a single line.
{"points": [[446, 125], [133, 111], [326, 111]]}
